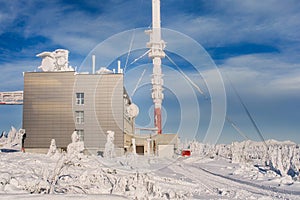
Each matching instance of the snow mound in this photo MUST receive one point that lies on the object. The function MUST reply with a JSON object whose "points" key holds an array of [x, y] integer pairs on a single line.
{"points": [[40, 174], [76, 147], [12, 140], [76, 173], [109, 151]]}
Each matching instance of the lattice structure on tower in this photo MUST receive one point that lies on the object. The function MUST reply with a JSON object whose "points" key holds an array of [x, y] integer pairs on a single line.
{"points": [[156, 53]]}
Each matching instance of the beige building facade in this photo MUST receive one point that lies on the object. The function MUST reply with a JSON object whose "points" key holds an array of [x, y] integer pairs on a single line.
{"points": [[57, 103]]}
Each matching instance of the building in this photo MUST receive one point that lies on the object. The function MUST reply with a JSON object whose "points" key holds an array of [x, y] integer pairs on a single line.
{"points": [[58, 102], [162, 145]]}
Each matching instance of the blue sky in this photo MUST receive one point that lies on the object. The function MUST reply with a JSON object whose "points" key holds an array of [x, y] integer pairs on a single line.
{"points": [[255, 44]]}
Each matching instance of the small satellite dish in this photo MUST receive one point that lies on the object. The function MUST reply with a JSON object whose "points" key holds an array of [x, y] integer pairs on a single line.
{"points": [[133, 110]]}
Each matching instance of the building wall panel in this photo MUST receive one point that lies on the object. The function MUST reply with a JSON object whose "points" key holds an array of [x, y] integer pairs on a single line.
{"points": [[47, 109], [50, 106]]}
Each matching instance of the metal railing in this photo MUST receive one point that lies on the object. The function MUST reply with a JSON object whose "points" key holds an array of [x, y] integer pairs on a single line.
{"points": [[11, 98]]}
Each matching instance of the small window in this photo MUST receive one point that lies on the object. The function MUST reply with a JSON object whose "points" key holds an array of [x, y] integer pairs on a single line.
{"points": [[80, 98], [79, 115], [80, 134]]}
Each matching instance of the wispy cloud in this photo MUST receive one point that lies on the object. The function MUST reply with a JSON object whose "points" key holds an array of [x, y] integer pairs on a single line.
{"points": [[11, 74], [227, 22], [263, 75]]}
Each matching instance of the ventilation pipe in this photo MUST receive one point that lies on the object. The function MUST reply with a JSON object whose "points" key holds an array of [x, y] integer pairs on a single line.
{"points": [[93, 63], [120, 71]]}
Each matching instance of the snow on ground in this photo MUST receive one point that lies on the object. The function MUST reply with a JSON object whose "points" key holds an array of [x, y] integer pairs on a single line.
{"points": [[65, 174], [210, 173]]}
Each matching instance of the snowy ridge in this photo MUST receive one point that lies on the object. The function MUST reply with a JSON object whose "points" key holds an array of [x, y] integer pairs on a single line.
{"points": [[281, 157]]}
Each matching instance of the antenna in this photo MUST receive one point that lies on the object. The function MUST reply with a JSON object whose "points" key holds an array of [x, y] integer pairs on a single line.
{"points": [[156, 53]]}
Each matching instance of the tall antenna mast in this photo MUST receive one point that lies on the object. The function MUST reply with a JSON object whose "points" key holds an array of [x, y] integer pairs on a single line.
{"points": [[156, 53]]}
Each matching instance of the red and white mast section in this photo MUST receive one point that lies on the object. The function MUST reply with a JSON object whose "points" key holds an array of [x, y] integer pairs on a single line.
{"points": [[156, 53]]}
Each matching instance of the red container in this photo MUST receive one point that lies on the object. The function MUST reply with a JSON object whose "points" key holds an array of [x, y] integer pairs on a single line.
{"points": [[186, 153]]}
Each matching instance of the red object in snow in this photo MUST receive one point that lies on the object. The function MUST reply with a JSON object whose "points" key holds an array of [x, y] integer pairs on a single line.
{"points": [[186, 153]]}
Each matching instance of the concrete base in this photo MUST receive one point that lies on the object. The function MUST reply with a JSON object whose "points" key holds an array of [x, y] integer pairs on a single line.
{"points": [[90, 151], [37, 150], [99, 152]]}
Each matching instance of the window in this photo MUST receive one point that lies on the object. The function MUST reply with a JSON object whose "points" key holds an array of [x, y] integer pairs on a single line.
{"points": [[79, 98], [79, 116], [80, 134]]}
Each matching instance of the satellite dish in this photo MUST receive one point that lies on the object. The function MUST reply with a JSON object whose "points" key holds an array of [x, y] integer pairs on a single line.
{"points": [[133, 110]]}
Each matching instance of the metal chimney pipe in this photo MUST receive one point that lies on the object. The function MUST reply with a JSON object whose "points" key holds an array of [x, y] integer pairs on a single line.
{"points": [[119, 66], [93, 64]]}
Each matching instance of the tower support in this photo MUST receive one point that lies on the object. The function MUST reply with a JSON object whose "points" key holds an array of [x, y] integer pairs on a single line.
{"points": [[156, 53]]}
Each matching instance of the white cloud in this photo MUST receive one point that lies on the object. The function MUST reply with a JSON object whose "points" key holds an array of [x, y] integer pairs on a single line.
{"points": [[264, 75], [288, 83], [229, 22], [79, 30], [11, 74], [226, 22]]}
